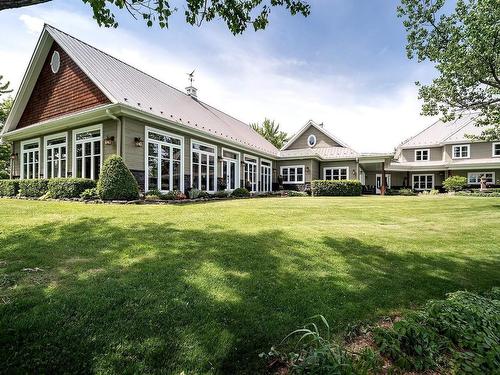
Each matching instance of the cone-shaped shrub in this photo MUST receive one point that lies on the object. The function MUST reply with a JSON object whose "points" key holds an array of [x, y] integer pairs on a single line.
{"points": [[116, 181]]}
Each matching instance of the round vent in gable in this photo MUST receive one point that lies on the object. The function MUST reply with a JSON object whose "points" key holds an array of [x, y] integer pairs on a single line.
{"points": [[311, 140], [55, 62]]}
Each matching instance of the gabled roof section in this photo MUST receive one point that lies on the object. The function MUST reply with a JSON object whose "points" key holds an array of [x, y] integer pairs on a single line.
{"points": [[440, 132], [323, 153], [320, 128], [127, 85]]}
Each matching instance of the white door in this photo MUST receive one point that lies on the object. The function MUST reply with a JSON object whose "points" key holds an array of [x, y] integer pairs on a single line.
{"points": [[229, 168], [378, 182]]}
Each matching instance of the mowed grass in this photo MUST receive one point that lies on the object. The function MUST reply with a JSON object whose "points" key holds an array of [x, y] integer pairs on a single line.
{"points": [[205, 288]]}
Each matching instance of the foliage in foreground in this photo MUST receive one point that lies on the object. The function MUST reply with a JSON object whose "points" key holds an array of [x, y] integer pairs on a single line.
{"points": [[460, 334], [116, 182]]}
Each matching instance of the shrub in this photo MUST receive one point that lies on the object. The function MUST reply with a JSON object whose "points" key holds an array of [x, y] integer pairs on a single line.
{"points": [[336, 188], [221, 194], [293, 193], [407, 192], [116, 181], [492, 194], [240, 192], [196, 193], [434, 192], [89, 194], [455, 183], [33, 188], [173, 195], [69, 187], [9, 188]]}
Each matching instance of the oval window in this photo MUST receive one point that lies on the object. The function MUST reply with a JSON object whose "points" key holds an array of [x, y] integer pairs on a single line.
{"points": [[55, 62], [311, 140]]}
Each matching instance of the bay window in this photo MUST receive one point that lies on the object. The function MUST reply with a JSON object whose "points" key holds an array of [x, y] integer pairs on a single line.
{"points": [[251, 172], [30, 159], [340, 173], [423, 181], [203, 166], [87, 152], [55, 155], [293, 174], [265, 175], [164, 170]]}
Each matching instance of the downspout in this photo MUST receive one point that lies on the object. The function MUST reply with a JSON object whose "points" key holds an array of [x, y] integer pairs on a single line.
{"points": [[118, 132]]}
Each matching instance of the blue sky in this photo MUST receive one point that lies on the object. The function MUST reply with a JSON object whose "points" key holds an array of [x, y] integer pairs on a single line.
{"points": [[344, 65]]}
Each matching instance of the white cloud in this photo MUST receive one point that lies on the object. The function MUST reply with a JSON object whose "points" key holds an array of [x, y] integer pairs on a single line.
{"points": [[247, 80]]}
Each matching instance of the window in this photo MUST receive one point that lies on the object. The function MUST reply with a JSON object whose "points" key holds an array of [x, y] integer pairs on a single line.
{"points": [[251, 172], [461, 152], [231, 168], [423, 181], [55, 62], [311, 140], [203, 168], [55, 155], [265, 175], [164, 161], [341, 173], [422, 155], [30, 159], [495, 149], [87, 152], [474, 178], [293, 174]]}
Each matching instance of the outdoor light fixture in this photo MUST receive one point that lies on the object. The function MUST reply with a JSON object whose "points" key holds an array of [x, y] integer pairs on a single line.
{"points": [[13, 156], [138, 142], [109, 140]]}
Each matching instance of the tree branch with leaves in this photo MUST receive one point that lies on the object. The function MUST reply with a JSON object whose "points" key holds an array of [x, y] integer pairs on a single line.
{"points": [[271, 131], [463, 43]]}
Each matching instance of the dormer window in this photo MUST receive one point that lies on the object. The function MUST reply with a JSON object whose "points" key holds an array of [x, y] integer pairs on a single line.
{"points": [[422, 155], [311, 140]]}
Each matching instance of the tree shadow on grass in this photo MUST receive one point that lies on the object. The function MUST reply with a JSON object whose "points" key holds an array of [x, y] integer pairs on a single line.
{"points": [[158, 299]]}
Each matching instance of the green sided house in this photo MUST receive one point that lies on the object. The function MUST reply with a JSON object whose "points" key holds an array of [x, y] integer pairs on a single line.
{"points": [[77, 105]]}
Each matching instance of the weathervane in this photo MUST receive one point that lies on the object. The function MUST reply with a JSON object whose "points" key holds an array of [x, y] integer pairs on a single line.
{"points": [[191, 77]]}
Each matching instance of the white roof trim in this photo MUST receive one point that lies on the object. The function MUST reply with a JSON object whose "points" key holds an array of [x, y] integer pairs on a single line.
{"points": [[305, 127]]}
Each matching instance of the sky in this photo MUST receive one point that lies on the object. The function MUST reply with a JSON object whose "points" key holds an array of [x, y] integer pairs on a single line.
{"points": [[345, 65]]}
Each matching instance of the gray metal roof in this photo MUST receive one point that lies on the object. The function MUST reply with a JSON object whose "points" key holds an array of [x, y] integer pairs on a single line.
{"points": [[445, 132], [125, 84], [320, 152]]}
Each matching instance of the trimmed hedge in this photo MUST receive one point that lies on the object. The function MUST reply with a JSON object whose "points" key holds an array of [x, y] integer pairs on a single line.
{"points": [[336, 188], [116, 182], [9, 188], [33, 188], [69, 187]]}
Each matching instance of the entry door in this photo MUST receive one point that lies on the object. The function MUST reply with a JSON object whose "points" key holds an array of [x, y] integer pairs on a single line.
{"points": [[229, 173], [378, 182]]}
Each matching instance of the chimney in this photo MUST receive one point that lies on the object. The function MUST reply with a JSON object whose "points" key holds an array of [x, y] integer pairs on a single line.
{"points": [[191, 91]]}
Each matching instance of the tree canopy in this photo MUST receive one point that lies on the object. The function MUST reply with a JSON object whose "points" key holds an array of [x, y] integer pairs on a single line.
{"points": [[4, 87], [271, 131], [463, 43], [5, 150], [237, 14]]}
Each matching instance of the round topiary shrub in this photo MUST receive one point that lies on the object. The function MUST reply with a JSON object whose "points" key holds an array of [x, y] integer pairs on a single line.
{"points": [[455, 183], [240, 192], [116, 182]]}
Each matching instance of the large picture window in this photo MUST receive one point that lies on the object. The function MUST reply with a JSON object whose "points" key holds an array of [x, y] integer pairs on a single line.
{"points": [[423, 181], [265, 175], [55, 155], [293, 174], [474, 178], [231, 168], [164, 158], [30, 159], [203, 166], [341, 173], [87, 152], [251, 172]]}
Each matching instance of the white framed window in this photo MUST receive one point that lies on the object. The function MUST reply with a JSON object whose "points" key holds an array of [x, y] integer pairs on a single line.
{"points": [[251, 175], [495, 149], [87, 152], [293, 174], [423, 154], [423, 181], [203, 166], [30, 159], [265, 175], [164, 153], [311, 140], [460, 151], [231, 168], [55, 62], [474, 178], [336, 173], [56, 155]]}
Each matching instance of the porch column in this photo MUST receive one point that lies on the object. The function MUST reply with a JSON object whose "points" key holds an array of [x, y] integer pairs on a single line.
{"points": [[383, 187], [409, 184]]}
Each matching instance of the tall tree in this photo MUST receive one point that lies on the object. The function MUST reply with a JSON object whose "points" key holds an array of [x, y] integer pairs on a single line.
{"points": [[5, 149], [271, 131], [237, 14], [4, 87], [463, 42]]}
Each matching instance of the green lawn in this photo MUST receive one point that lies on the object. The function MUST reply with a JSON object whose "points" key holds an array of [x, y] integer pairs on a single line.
{"points": [[205, 288]]}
